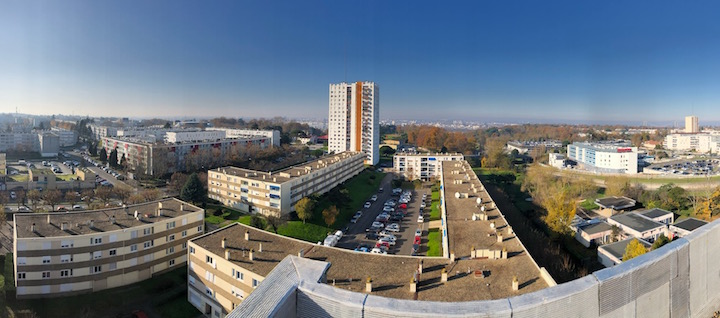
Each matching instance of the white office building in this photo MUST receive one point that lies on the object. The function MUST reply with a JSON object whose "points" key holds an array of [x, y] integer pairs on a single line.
{"points": [[604, 158], [353, 120]]}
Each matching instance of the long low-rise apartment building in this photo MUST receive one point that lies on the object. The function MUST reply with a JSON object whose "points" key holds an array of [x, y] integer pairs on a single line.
{"points": [[57, 254], [604, 158], [700, 142], [168, 154], [275, 193], [423, 166]]}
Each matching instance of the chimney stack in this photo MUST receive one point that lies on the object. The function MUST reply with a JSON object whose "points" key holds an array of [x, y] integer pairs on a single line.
{"points": [[420, 267], [260, 247], [48, 219], [413, 285], [368, 285], [159, 205], [64, 226], [91, 224], [444, 275], [224, 243], [227, 254], [32, 228], [112, 219], [301, 253], [251, 256], [499, 237], [182, 206], [515, 284], [452, 257], [247, 235]]}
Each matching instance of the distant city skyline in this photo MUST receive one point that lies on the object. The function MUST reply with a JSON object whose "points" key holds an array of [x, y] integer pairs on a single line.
{"points": [[564, 62]]}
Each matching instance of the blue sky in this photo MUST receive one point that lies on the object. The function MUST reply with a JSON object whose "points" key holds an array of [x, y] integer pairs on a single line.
{"points": [[601, 61]]}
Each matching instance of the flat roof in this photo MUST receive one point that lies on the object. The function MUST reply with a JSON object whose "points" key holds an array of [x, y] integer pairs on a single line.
{"points": [[595, 228], [636, 221], [689, 224], [654, 213], [616, 203], [428, 154], [617, 249], [78, 222], [465, 234], [390, 274], [289, 173]]}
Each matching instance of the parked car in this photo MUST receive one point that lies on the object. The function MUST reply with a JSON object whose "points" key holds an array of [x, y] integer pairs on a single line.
{"points": [[421, 219], [12, 195], [377, 250], [393, 227], [367, 205], [418, 232], [386, 240], [417, 240], [353, 220], [387, 234], [378, 225], [402, 206], [386, 244], [371, 236], [77, 207], [380, 190], [373, 198]]}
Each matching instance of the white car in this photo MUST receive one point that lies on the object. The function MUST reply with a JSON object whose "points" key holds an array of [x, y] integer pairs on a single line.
{"points": [[422, 205], [373, 198], [377, 225], [388, 235], [367, 205], [339, 234], [386, 240], [393, 228], [376, 250], [421, 219], [12, 195]]}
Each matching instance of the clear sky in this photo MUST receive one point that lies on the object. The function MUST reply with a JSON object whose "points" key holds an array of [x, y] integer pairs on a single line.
{"points": [[480, 60]]}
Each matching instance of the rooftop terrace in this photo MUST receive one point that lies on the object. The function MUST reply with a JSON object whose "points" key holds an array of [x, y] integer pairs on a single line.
{"points": [[79, 223]]}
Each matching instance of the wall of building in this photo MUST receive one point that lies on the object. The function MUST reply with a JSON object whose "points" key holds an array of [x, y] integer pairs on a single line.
{"points": [[422, 166]]}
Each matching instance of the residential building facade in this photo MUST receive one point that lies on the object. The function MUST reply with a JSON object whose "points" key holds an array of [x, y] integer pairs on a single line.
{"points": [[422, 166], [58, 254], [604, 158], [354, 119], [691, 124], [700, 142], [275, 193]]}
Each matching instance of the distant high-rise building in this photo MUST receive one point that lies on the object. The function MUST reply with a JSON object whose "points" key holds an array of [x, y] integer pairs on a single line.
{"points": [[691, 124], [353, 121]]}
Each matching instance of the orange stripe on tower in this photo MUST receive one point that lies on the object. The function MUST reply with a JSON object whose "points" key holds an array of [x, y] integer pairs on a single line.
{"points": [[358, 116]]}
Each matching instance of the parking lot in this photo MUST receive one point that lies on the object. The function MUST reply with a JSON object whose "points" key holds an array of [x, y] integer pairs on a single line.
{"points": [[700, 167], [357, 233]]}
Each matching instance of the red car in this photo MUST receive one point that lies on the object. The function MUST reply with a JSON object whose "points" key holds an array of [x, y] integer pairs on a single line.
{"points": [[402, 206], [417, 240], [382, 244]]}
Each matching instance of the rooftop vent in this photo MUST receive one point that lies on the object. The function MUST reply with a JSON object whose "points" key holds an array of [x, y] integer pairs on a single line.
{"points": [[32, 228], [64, 226]]}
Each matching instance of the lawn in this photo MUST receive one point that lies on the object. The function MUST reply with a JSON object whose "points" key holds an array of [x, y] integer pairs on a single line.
{"points": [[434, 243], [66, 177], [307, 232], [20, 177], [178, 306], [435, 205], [227, 214], [589, 204]]}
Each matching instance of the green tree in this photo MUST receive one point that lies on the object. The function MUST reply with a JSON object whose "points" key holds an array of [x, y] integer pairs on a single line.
{"points": [[662, 240], [103, 155], [113, 158], [257, 222], [614, 233], [304, 208], [275, 222], [560, 206], [330, 214], [193, 190], [633, 249]]}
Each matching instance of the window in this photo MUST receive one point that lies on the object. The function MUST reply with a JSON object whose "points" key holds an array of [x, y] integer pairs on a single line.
{"points": [[133, 248], [210, 277], [112, 252], [66, 258], [170, 250], [97, 254], [21, 276], [46, 260], [184, 233], [148, 244], [113, 238], [45, 274], [200, 228], [46, 245], [237, 292], [148, 231], [66, 272], [191, 279], [170, 237], [171, 225], [133, 234], [208, 259], [192, 249], [184, 245], [96, 269], [171, 262], [66, 244], [255, 283], [112, 266], [96, 240], [184, 221], [209, 292], [21, 260], [237, 274]]}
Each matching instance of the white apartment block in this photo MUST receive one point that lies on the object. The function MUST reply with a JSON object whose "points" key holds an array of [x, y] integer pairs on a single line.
{"points": [[67, 137], [691, 124], [45, 142], [274, 135], [354, 119], [423, 166], [702, 143], [604, 158], [58, 254], [275, 193], [187, 136], [163, 157]]}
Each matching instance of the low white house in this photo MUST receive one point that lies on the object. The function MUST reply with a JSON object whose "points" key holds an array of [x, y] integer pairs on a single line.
{"points": [[685, 227], [597, 233], [612, 254], [638, 226], [659, 215]]}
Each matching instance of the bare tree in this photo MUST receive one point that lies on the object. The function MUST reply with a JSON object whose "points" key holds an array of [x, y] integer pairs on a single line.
{"points": [[52, 197], [34, 196], [275, 221], [104, 194], [122, 194], [71, 197]]}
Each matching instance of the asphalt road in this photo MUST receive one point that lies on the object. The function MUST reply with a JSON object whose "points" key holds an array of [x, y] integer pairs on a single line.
{"points": [[403, 246]]}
